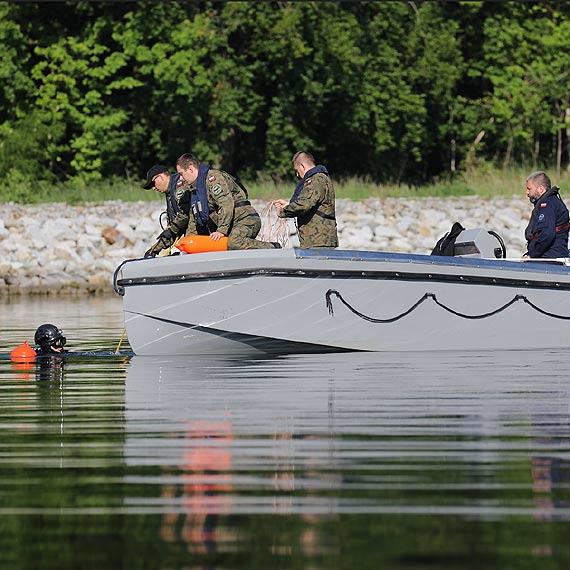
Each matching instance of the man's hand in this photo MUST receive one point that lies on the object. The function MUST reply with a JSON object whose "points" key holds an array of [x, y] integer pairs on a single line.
{"points": [[153, 251], [280, 204], [167, 235], [216, 236]]}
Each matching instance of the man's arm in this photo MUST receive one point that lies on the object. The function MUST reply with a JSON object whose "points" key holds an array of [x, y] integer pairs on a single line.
{"points": [[179, 224], [310, 197], [222, 196], [192, 228]]}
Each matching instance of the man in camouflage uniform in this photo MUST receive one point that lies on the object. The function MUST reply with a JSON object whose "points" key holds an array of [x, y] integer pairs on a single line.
{"points": [[219, 204], [312, 203], [177, 205]]}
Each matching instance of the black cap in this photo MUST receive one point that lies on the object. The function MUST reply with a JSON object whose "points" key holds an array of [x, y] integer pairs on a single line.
{"points": [[156, 169]]}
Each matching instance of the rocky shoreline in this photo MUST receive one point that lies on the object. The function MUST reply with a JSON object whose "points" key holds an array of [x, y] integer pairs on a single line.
{"points": [[56, 248]]}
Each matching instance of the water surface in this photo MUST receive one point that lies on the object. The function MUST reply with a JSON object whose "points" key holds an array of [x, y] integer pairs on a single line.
{"points": [[387, 460]]}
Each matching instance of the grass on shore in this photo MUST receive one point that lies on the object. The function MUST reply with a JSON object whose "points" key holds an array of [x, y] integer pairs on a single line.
{"points": [[485, 183]]}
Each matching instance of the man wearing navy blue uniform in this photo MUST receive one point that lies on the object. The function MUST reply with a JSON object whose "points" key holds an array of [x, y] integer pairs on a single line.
{"points": [[547, 231]]}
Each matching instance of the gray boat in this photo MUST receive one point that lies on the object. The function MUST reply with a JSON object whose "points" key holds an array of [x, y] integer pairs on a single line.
{"points": [[302, 300]]}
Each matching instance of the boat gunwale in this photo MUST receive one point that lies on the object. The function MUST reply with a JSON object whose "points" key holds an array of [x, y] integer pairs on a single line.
{"points": [[344, 274], [551, 269]]}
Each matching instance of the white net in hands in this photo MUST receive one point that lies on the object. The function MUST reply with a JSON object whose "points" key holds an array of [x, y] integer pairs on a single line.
{"points": [[273, 228]]}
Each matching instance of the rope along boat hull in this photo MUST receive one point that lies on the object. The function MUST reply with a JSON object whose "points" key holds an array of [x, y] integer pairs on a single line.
{"points": [[299, 300]]}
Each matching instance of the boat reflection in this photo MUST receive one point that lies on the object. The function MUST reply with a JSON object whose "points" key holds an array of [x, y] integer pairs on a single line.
{"points": [[223, 448], [215, 449]]}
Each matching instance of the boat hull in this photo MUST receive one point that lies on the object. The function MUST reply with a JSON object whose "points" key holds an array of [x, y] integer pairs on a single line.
{"points": [[296, 300]]}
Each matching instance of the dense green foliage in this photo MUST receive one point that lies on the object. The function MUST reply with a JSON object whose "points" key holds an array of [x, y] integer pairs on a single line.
{"points": [[394, 92]]}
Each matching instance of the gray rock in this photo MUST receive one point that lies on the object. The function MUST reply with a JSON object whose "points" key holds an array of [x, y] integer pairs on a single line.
{"points": [[62, 247]]}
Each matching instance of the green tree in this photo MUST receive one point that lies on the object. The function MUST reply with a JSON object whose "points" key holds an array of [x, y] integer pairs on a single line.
{"points": [[392, 91], [437, 67]]}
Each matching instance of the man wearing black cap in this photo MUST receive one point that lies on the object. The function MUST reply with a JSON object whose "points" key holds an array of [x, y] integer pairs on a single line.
{"points": [[177, 205]]}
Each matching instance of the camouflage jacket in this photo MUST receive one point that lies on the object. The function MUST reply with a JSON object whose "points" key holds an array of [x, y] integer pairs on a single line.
{"points": [[178, 215], [227, 202], [315, 212]]}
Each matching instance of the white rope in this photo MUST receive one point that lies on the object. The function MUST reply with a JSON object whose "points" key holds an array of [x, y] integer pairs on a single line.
{"points": [[273, 228]]}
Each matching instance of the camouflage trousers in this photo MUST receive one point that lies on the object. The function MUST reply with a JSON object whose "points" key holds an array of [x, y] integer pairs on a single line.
{"points": [[242, 235]]}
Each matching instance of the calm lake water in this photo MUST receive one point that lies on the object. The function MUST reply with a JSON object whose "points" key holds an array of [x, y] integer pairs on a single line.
{"points": [[397, 460]]}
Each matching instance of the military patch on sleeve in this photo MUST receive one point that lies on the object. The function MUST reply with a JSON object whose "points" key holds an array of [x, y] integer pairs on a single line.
{"points": [[309, 181], [541, 217], [543, 205], [216, 189], [211, 178]]}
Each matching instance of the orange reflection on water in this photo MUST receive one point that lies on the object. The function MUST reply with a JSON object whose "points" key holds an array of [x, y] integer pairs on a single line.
{"points": [[205, 492], [24, 368]]}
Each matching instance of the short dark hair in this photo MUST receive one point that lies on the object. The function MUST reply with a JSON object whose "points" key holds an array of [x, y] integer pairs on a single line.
{"points": [[186, 160], [540, 178], [303, 156]]}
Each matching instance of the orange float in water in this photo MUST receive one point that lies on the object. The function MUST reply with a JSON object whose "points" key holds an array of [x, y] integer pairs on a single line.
{"points": [[201, 244], [23, 353]]}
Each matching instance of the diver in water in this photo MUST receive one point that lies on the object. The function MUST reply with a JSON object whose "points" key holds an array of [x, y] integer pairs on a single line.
{"points": [[51, 354], [49, 341]]}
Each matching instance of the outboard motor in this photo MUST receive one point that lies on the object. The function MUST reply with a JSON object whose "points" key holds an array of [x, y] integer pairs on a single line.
{"points": [[479, 243]]}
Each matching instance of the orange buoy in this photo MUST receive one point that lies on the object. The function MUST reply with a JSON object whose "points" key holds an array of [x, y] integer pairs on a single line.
{"points": [[23, 353], [201, 244]]}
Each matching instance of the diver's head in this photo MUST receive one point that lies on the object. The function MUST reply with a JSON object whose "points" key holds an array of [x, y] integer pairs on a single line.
{"points": [[49, 339]]}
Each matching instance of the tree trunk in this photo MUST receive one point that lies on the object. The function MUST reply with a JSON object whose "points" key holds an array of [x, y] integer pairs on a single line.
{"points": [[560, 113], [508, 152], [558, 152], [470, 156], [452, 146], [567, 122], [229, 151]]}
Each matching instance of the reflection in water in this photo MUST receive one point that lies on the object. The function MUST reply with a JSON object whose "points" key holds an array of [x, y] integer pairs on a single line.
{"points": [[400, 437], [550, 471], [49, 369], [205, 490], [415, 460], [235, 456], [550, 476], [62, 445]]}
